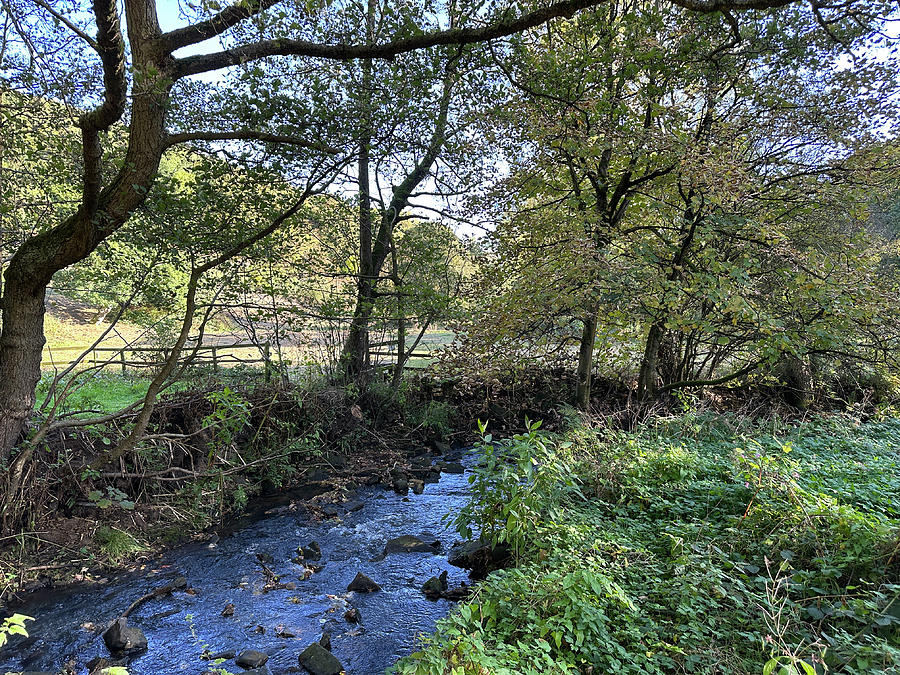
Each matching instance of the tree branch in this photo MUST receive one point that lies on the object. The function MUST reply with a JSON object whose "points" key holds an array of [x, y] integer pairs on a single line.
{"points": [[709, 6], [248, 135], [193, 65], [71, 26], [216, 25], [111, 47], [746, 370]]}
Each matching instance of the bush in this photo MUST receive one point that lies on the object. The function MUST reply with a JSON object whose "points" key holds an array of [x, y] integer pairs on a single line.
{"points": [[435, 416], [517, 485]]}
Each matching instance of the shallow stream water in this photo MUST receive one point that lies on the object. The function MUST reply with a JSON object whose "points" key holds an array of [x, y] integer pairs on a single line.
{"points": [[179, 628]]}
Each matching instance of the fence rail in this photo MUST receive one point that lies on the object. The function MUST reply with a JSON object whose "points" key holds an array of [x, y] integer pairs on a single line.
{"points": [[218, 355]]}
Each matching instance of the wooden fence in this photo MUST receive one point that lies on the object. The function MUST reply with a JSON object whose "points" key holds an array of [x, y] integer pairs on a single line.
{"points": [[218, 355]]}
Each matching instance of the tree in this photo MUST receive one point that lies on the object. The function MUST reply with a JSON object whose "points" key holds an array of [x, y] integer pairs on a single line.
{"points": [[613, 104], [139, 85], [639, 157]]}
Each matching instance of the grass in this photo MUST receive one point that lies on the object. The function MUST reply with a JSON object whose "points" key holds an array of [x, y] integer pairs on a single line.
{"points": [[695, 545], [115, 543], [69, 332], [101, 393]]}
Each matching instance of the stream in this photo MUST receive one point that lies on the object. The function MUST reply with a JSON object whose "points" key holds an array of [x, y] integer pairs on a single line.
{"points": [[281, 623]]}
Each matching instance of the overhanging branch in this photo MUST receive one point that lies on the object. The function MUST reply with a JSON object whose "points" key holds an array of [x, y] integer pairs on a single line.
{"points": [[216, 25], [248, 135], [193, 65]]}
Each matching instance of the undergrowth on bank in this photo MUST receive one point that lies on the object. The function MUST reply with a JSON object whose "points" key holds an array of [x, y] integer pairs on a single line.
{"points": [[693, 545]]}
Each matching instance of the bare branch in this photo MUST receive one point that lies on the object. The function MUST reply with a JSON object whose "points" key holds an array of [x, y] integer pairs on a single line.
{"points": [[71, 26]]}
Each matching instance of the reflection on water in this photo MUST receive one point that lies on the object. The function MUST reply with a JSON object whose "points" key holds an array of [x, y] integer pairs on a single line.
{"points": [[280, 623]]}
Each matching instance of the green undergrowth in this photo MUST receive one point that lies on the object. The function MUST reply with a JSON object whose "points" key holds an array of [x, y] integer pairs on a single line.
{"points": [[694, 545], [116, 544], [103, 393]]}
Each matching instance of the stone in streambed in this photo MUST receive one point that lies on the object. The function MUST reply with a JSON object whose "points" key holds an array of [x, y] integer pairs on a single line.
{"points": [[418, 486], [250, 658], [410, 544], [453, 467], [479, 557], [435, 587], [401, 486], [441, 448], [124, 639], [363, 584], [317, 660], [312, 551], [354, 505], [353, 615], [226, 655]]}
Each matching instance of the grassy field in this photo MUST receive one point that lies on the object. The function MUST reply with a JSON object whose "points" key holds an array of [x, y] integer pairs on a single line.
{"points": [[70, 329], [71, 332], [102, 393]]}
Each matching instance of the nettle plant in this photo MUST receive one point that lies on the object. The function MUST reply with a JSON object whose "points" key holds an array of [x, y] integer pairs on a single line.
{"points": [[518, 486]]}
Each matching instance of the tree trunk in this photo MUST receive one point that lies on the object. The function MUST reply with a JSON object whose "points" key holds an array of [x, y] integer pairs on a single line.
{"points": [[647, 379], [356, 351], [401, 319], [355, 356], [102, 211], [586, 362], [21, 344]]}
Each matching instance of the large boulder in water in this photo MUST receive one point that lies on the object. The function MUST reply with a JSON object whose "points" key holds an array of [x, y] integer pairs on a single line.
{"points": [[362, 584], [120, 638], [317, 660], [400, 485], [479, 557], [435, 587], [250, 658]]}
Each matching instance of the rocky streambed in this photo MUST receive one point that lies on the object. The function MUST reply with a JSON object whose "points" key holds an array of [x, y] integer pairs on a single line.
{"points": [[271, 597]]}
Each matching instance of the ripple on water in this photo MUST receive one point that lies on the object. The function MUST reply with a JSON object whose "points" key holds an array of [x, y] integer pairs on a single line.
{"points": [[179, 628]]}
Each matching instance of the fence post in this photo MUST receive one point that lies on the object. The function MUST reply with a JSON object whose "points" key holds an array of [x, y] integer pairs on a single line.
{"points": [[215, 351], [122, 358], [267, 357]]}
